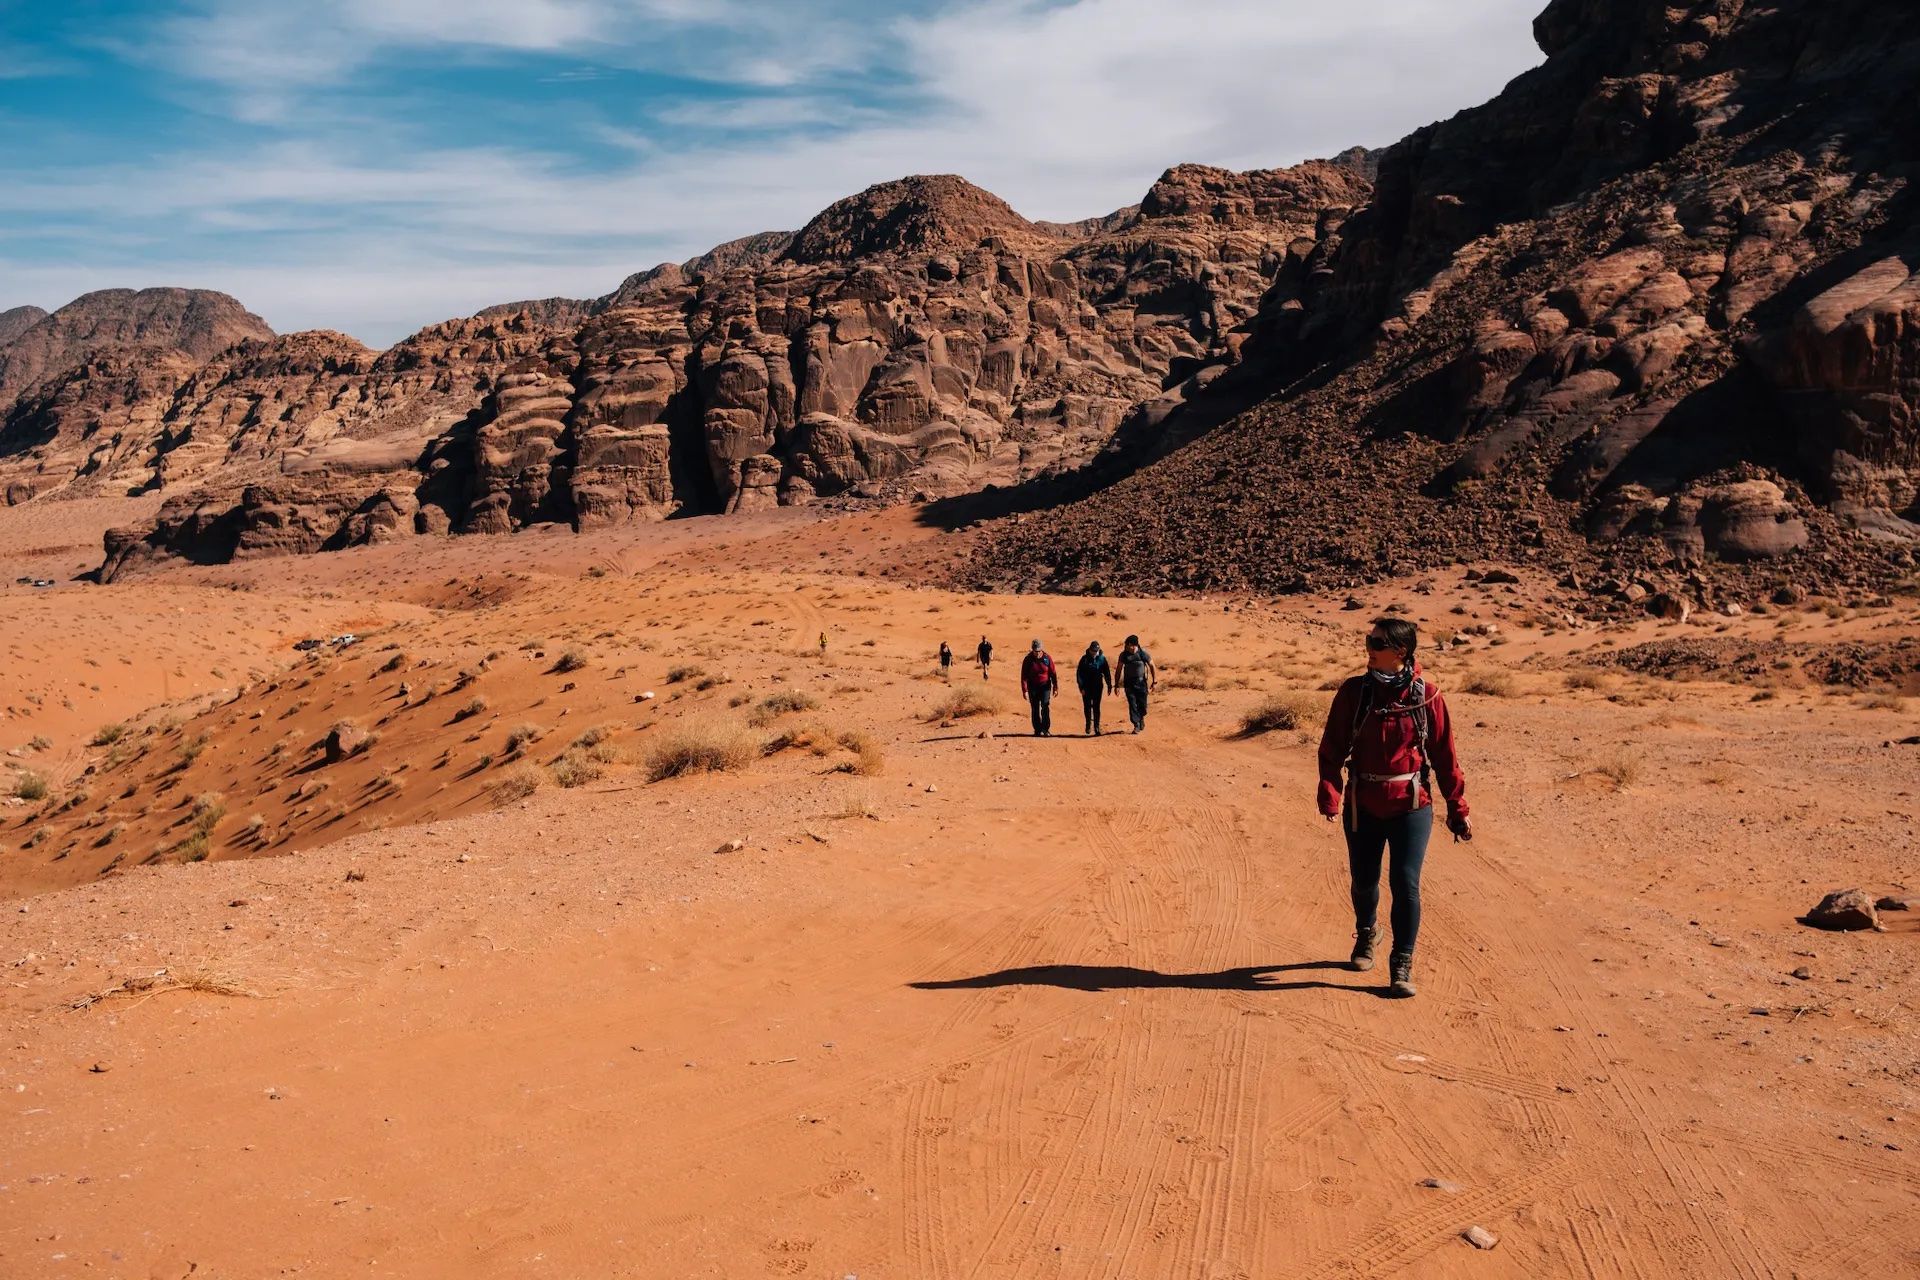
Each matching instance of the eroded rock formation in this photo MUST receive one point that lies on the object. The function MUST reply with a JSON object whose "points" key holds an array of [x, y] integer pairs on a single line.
{"points": [[918, 339], [1655, 304]]}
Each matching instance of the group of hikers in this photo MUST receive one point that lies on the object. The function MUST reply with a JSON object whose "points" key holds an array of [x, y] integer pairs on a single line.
{"points": [[1387, 744], [1040, 681]]}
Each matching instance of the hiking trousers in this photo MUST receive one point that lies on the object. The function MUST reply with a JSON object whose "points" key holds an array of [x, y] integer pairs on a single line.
{"points": [[1137, 706], [1403, 838], [1040, 702], [1090, 703]]}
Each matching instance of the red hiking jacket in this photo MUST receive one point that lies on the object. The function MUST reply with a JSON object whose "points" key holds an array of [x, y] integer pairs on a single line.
{"points": [[1036, 673], [1388, 742]]}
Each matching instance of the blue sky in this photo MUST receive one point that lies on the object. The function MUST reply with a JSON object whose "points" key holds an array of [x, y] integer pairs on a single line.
{"points": [[377, 165]]}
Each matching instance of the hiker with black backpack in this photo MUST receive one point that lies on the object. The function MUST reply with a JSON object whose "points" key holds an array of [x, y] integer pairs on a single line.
{"points": [[1137, 677], [985, 655], [1094, 675], [1039, 680], [946, 659], [1389, 731]]}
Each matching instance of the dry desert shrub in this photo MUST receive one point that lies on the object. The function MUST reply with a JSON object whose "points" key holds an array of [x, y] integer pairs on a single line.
{"points": [[518, 785], [474, 707], [571, 660], [969, 700], [521, 735], [1281, 711], [1622, 768], [1490, 684], [867, 757], [688, 672], [1585, 680], [574, 769], [775, 705], [859, 804], [594, 745], [208, 808], [1882, 702], [107, 734], [30, 786], [700, 746]]}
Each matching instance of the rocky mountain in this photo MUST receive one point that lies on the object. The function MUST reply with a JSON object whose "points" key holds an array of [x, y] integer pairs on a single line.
{"points": [[17, 321], [918, 339], [1651, 312], [106, 362]]}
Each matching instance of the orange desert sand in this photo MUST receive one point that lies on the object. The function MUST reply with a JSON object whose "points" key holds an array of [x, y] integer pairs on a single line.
{"points": [[915, 996]]}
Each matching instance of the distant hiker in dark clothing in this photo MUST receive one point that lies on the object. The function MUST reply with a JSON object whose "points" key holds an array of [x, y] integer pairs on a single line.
{"points": [[1138, 678], [985, 655], [1095, 678], [1390, 730], [1039, 681], [946, 658]]}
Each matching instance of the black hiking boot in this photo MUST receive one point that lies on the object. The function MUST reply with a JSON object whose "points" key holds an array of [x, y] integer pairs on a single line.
{"points": [[1364, 942], [1400, 969]]}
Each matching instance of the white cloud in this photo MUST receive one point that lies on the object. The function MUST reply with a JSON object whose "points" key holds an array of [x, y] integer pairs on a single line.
{"points": [[1065, 110]]}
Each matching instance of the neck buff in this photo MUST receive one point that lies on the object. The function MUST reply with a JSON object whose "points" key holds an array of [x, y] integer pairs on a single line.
{"points": [[1393, 679]]}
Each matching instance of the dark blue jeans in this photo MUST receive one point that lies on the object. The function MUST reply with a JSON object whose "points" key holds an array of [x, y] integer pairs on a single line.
{"points": [[1403, 836], [1041, 704]]}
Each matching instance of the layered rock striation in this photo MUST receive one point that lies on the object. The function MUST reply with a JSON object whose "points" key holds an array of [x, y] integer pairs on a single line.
{"points": [[1655, 304], [920, 339]]}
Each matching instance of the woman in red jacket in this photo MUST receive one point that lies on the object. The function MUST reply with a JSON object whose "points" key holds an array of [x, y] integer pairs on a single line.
{"points": [[1390, 730]]}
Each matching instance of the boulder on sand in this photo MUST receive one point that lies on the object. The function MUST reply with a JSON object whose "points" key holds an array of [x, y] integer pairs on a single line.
{"points": [[1844, 909]]}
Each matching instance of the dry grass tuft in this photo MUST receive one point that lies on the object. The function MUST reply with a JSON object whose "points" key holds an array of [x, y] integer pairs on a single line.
{"points": [[700, 746], [571, 660], [1585, 680], [518, 785], [676, 674], [574, 769], [30, 786], [1491, 684], [1281, 711], [161, 981], [1622, 768], [859, 804], [969, 700], [775, 705]]}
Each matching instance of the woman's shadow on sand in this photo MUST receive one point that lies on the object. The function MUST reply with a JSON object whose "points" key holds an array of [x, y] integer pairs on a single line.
{"points": [[1109, 977]]}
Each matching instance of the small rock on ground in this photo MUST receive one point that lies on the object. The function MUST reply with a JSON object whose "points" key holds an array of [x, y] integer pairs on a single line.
{"points": [[1480, 1237]]}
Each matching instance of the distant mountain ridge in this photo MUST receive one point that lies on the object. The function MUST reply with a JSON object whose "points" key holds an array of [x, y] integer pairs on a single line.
{"points": [[1648, 319], [918, 338]]}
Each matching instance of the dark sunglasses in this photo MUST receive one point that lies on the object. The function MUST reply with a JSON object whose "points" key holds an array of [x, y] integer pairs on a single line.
{"points": [[1378, 643]]}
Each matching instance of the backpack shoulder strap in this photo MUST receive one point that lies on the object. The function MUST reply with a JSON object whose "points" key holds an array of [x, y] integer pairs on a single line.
{"points": [[1422, 725]]}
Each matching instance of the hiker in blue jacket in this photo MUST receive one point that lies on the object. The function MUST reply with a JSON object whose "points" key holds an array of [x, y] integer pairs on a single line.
{"points": [[1094, 675]]}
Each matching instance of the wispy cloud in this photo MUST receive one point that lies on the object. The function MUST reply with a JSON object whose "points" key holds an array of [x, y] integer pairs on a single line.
{"points": [[344, 207]]}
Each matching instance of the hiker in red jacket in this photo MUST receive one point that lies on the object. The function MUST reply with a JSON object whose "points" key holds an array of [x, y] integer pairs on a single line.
{"points": [[1390, 730], [1039, 681]]}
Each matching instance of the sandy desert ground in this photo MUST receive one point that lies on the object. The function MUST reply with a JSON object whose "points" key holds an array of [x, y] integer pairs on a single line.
{"points": [[960, 1002]]}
